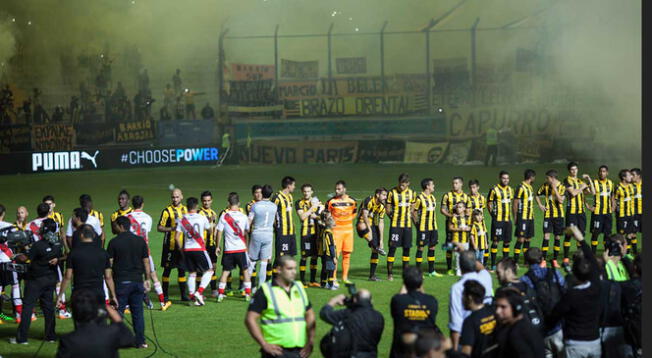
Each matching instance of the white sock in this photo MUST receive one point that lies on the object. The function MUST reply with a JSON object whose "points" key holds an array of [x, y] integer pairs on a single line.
{"points": [[247, 286], [251, 268], [192, 282], [263, 273], [158, 288], [15, 294], [205, 279], [221, 286], [106, 290]]}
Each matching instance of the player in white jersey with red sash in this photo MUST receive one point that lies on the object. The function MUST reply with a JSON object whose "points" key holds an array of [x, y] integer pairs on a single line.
{"points": [[141, 225], [190, 230], [9, 277], [234, 226]]}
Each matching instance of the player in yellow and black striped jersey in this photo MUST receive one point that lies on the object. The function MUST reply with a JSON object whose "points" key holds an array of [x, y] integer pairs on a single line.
{"points": [[285, 242], [601, 209], [400, 204], [576, 188], [479, 240], [123, 209], [257, 195], [326, 249], [460, 228], [425, 221], [21, 218], [448, 202], [476, 200], [86, 203], [370, 226], [308, 208], [524, 214], [499, 202], [637, 186], [206, 210], [54, 215], [624, 207], [170, 256], [553, 218]]}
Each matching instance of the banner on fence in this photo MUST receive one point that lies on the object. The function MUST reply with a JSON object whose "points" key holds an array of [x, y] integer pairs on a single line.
{"points": [[53, 137], [14, 138], [351, 65], [429, 127], [299, 152], [299, 69], [458, 153], [246, 72], [94, 133], [135, 131], [418, 152], [374, 151]]}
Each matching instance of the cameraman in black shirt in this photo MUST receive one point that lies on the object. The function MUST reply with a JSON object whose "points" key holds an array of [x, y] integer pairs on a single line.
{"points": [[478, 327], [40, 281], [411, 309], [364, 323]]}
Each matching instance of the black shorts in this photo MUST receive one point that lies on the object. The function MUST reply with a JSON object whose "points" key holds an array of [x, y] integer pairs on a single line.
{"points": [[7, 277], [375, 237], [427, 238], [578, 220], [362, 233], [501, 231], [285, 245], [601, 224], [554, 226], [400, 237], [196, 261], [524, 228], [309, 245], [233, 260], [625, 225], [637, 223], [170, 258]]}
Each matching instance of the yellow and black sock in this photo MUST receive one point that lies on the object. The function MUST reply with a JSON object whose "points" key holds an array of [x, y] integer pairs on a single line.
{"points": [[431, 259], [302, 269], [373, 264], [390, 260], [419, 257], [567, 244], [545, 247], [494, 252], [556, 248], [449, 259], [517, 250], [313, 269], [506, 249], [406, 258]]}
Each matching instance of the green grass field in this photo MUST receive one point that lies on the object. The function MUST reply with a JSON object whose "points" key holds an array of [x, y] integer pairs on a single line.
{"points": [[218, 329]]}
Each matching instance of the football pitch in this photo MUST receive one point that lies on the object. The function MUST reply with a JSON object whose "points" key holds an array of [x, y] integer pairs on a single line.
{"points": [[217, 330]]}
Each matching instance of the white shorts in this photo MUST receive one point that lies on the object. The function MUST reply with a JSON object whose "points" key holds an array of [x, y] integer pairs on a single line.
{"points": [[260, 249]]}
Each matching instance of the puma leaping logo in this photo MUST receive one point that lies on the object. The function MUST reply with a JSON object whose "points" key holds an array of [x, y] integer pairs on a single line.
{"points": [[87, 156]]}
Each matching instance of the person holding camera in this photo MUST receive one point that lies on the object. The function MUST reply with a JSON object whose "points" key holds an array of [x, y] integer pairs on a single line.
{"points": [[515, 336], [92, 337], [40, 281], [359, 323]]}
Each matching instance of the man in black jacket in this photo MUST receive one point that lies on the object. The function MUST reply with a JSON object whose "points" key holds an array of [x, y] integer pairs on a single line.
{"points": [[92, 336], [41, 281], [130, 262], [580, 306], [363, 322], [515, 336]]}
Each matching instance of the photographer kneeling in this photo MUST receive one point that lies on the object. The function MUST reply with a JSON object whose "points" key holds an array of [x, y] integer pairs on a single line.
{"points": [[357, 329], [40, 281]]}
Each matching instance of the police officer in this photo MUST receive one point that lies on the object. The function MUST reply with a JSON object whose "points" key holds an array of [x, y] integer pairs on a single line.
{"points": [[40, 281], [287, 320]]}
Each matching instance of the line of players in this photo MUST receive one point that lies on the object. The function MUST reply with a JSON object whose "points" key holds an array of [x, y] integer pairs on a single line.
{"points": [[193, 233]]}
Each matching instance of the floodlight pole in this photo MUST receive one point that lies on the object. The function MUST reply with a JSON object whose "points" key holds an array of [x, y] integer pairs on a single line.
{"points": [[473, 51], [428, 71], [330, 60], [221, 59], [276, 61], [382, 55]]}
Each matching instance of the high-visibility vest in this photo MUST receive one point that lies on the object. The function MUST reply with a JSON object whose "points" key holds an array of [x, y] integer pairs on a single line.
{"points": [[283, 322], [616, 272], [492, 136]]}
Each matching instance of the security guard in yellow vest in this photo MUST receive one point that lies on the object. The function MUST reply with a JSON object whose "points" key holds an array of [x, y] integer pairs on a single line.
{"points": [[287, 321]]}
